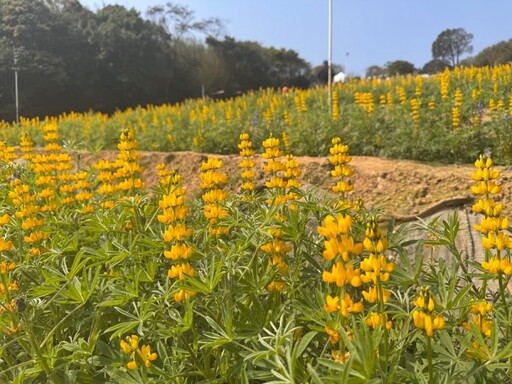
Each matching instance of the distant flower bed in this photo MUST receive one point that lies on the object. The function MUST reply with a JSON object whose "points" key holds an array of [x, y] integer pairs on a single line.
{"points": [[449, 117]]}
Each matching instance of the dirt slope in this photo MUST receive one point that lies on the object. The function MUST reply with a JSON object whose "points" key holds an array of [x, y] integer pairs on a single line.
{"points": [[399, 188]]}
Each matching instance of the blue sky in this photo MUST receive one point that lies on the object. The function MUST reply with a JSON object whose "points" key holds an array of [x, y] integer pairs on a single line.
{"points": [[372, 32]]}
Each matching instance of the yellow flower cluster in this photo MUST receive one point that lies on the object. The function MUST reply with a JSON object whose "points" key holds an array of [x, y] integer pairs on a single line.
{"points": [[76, 189], [51, 168], [131, 346], [415, 109], [300, 103], [340, 247], [376, 270], [479, 314], [247, 163], [26, 146], [455, 117], [7, 285], [493, 226], [212, 182], [7, 153], [424, 316], [336, 105], [174, 214], [291, 174], [282, 178], [123, 174], [402, 95], [274, 168], [444, 80], [29, 213], [277, 250], [480, 320], [340, 159], [51, 136], [365, 101]]}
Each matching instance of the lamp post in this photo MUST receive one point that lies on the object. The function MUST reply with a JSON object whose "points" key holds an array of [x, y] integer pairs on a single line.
{"points": [[15, 68], [346, 63], [329, 60]]}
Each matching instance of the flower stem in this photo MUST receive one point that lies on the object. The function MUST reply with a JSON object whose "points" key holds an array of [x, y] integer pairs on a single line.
{"points": [[429, 357]]}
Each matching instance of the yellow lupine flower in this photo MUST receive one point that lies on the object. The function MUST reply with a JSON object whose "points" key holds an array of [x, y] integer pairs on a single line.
{"points": [[375, 319], [147, 356], [180, 271], [334, 335], [372, 294], [5, 245], [332, 304], [341, 275], [178, 251], [215, 195], [178, 231], [348, 306], [7, 266], [333, 226], [4, 219]]}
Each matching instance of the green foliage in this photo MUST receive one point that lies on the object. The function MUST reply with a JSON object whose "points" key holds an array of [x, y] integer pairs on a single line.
{"points": [[451, 44], [400, 67], [496, 54], [102, 277]]}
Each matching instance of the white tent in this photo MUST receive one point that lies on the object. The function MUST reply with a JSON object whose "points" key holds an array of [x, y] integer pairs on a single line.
{"points": [[339, 77]]}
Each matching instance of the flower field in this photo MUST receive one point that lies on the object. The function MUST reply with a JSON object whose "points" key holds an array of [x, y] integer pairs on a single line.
{"points": [[450, 117], [105, 279]]}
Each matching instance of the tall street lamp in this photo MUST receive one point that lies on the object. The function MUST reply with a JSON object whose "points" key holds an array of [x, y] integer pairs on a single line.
{"points": [[329, 61], [15, 68]]}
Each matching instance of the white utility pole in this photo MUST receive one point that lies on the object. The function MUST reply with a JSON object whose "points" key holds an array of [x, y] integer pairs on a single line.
{"points": [[16, 86], [329, 61]]}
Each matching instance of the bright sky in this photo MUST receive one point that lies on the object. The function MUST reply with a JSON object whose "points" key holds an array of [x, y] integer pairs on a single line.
{"points": [[365, 32]]}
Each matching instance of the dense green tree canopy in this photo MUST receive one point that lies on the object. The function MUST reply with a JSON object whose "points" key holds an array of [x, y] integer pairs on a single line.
{"points": [[71, 58], [434, 66], [500, 53], [400, 67], [451, 44], [376, 71]]}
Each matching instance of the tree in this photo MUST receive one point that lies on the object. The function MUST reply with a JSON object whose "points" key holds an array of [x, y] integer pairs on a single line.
{"points": [[434, 66], [499, 53], [320, 73], [38, 37], [375, 71], [179, 21], [400, 67], [246, 62], [451, 44], [131, 60], [288, 68]]}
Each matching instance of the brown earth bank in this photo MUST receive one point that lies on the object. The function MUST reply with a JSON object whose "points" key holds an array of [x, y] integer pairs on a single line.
{"points": [[399, 188]]}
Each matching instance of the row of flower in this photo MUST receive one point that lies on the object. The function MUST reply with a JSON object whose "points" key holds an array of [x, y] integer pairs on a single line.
{"points": [[103, 280], [435, 118]]}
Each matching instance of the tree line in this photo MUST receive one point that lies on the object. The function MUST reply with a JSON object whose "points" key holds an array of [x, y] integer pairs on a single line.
{"points": [[69, 58], [447, 51]]}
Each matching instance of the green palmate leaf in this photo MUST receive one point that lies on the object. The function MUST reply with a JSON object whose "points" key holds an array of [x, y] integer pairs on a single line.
{"points": [[454, 303], [216, 327], [79, 291]]}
